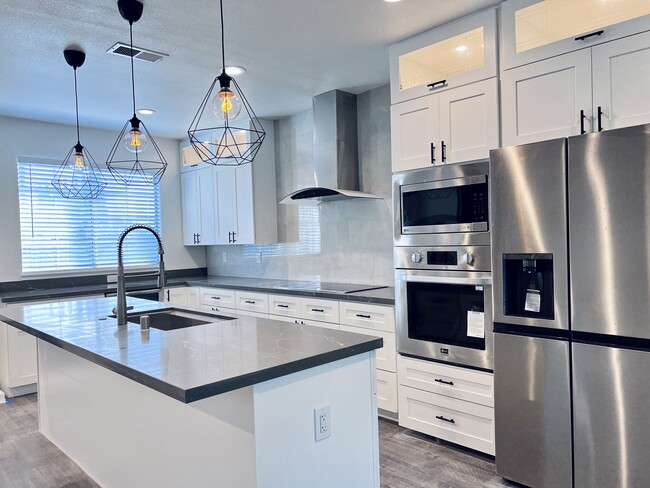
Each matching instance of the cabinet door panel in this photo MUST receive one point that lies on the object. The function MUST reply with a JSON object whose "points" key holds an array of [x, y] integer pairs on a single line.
{"points": [[469, 121], [245, 222], [21, 351], [543, 100], [621, 71], [207, 232], [191, 210], [414, 127], [226, 203]]}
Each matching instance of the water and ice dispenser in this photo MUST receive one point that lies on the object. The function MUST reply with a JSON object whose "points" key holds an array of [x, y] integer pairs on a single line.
{"points": [[528, 285]]}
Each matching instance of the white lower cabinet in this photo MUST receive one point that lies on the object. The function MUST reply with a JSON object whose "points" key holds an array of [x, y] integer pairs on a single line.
{"points": [[449, 402], [252, 302], [175, 296], [18, 365], [386, 390]]}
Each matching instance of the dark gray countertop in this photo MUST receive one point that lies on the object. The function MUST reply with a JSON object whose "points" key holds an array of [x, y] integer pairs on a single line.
{"points": [[187, 364], [385, 296]]}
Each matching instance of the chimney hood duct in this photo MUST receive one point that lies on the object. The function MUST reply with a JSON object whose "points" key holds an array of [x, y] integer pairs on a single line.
{"points": [[336, 169]]}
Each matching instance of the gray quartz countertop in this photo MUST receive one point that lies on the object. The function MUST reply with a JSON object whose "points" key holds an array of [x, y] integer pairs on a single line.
{"points": [[385, 296], [188, 364]]}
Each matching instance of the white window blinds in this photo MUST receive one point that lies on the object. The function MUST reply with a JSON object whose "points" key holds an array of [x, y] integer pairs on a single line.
{"points": [[59, 234]]}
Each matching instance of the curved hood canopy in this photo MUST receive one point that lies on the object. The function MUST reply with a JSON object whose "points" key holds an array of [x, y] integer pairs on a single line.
{"points": [[336, 168]]}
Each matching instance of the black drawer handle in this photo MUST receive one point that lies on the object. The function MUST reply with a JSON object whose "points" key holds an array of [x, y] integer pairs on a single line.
{"points": [[436, 83], [252, 302], [600, 119], [363, 316], [582, 122], [440, 417], [215, 309], [317, 310], [591, 34], [444, 152], [438, 380], [433, 154], [216, 298], [281, 305]]}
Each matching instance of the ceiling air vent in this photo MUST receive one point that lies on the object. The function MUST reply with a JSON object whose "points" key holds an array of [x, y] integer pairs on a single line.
{"points": [[122, 49]]}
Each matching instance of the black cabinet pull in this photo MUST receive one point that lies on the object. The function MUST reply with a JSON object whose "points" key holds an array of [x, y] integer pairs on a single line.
{"points": [[436, 83], [600, 118], [215, 309], [198, 238], [317, 310], [252, 302], [168, 299], [216, 298], [582, 122], [229, 237], [433, 154], [282, 305], [438, 380], [440, 417], [444, 152], [363, 316], [233, 236], [194, 237], [591, 34]]}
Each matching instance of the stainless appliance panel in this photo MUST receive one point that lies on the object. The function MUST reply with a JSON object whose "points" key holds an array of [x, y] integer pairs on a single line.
{"points": [[445, 352], [528, 209], [609, 215], [465, 258], [532, 411], [476, 234], [611, 395]]}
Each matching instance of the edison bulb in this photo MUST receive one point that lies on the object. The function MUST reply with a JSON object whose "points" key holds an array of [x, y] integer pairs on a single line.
{"points": [[226, 104], [78, 161], [135, 141]]}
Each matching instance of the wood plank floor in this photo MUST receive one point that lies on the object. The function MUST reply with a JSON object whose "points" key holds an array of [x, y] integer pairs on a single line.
{"points": [[408, 459]]}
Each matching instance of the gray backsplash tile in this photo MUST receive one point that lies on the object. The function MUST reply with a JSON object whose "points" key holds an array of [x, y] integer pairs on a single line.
{"points": [[347, 241]]}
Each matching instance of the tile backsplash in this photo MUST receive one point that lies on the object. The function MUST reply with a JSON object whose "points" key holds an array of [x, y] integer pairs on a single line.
{"points": [[344, 241]]}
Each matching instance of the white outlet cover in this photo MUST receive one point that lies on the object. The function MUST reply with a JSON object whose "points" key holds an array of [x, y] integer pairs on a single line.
{"points": [[322, 422]]}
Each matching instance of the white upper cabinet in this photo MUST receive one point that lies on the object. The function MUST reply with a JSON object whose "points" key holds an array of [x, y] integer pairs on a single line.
{"points": [[198, 207], [545, 100], [415, 127], [469, 121], [621, 74], [452, 55], [599, 88], [532, 30]]}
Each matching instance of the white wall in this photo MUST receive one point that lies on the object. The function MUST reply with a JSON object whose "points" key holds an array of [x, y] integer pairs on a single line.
{"points": [[21, 137]]}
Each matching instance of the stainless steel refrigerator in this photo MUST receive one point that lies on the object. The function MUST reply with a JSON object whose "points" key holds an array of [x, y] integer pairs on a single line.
{"points": [[571, 274]]}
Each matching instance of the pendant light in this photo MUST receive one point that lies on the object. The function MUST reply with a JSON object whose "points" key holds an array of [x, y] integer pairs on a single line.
{"points": [[225, 130], [135, 157], [78, 176]]}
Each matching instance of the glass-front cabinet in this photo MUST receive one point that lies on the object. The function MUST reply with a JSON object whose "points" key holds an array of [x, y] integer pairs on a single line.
{"points": [[452, 55], [534, 29]]}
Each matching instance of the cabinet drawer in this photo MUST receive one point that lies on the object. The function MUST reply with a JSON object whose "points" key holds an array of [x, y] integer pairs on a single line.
{"points": [[218, 297], [465, 423], [387, 391], [376, 317], [386, 355], [251, 301], [451, 381], [249, 313], [287, 306], [321, 310], [228, 312]]}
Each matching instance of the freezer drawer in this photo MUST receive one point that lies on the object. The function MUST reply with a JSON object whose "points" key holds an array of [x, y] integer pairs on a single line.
{"points": [[611, 394], [532, 410]]}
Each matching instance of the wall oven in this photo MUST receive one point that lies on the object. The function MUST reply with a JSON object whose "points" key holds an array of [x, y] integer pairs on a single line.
{"points": [[443, 304], [442, 205]]}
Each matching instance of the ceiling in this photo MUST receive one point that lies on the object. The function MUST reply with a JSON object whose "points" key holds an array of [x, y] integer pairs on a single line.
{"points": [[292, 50]]}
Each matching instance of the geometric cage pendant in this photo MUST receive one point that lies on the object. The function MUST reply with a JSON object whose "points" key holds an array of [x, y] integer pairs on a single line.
{"points": [[231, 141]]}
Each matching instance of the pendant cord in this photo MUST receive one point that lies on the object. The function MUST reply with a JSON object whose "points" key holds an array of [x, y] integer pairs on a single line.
{"points": [[132, 72], [223, 49], [76, 102]]}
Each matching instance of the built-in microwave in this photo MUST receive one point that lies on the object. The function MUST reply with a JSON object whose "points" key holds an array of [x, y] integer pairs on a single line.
{"points": [[442, 205]]}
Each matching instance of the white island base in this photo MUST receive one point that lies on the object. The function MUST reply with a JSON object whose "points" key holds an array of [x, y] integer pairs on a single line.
{"points": [[124, 434]]}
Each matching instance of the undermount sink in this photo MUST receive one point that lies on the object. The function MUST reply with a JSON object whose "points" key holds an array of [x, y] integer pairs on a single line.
{"points": [[173, 318]]}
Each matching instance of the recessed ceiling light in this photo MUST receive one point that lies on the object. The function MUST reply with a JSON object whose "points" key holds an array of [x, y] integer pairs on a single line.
{"points": [[146, 111], [461, 49], [234, 70]]}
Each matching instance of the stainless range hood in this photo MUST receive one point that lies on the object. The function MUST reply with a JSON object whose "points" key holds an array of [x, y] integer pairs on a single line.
{"points": [[336, 168]]}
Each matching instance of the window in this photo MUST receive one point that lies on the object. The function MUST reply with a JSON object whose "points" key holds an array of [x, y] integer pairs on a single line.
{"points": [[59, 234]]}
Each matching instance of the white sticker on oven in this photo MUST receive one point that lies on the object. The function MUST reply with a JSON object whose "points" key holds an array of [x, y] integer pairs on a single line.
{"points": [[533, 300], [475, 324]]}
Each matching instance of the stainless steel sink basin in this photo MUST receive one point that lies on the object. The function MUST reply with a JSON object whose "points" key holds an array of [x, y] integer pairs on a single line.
{"points": [[172, 318]]}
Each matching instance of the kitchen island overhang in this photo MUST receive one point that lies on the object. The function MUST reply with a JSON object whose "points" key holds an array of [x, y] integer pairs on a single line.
{"points": [[109, 401]]}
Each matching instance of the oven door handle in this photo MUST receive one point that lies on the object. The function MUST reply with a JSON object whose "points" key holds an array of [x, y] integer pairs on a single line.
{"points": [[444, 280]]}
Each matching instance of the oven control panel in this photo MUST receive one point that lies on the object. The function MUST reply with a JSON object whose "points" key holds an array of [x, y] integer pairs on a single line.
{"points": [[462, 258]]}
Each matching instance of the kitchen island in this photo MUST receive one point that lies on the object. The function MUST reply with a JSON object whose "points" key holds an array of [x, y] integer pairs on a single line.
{"points": [[230, 403]]}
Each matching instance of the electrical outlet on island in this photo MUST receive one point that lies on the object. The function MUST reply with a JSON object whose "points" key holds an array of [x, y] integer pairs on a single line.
{"points": [[322, 422]]}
